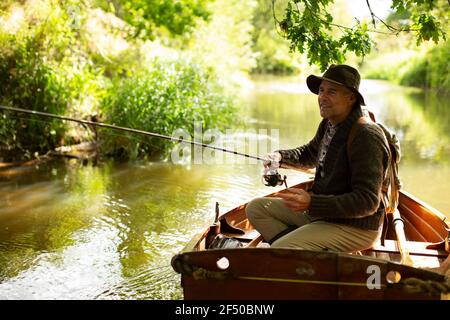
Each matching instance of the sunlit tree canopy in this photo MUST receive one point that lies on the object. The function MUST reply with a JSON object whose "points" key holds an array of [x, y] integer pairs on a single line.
{"points": [[146, 15], [308, 25]]}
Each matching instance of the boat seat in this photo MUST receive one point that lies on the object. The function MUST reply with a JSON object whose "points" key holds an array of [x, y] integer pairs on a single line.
{"points": [[249, 235], [414, 248]]}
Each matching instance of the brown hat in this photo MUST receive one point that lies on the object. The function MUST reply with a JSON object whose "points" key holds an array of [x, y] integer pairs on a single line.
{"points": [[340, 74]]}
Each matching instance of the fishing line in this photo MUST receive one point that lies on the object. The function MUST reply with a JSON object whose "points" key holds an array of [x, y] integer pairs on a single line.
{"points": [[105, 125], [109, 133], [117, 133]]}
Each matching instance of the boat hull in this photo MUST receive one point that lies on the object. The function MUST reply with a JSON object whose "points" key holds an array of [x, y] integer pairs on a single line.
{"points": [[293, 274], [253, 272]]}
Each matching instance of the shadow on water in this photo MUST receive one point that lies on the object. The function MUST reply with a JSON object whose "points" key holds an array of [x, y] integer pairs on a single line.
{"points": [[69, 231]]}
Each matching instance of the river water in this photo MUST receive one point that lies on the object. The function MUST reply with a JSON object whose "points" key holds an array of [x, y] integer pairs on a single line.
{"points": [[74, 231]]}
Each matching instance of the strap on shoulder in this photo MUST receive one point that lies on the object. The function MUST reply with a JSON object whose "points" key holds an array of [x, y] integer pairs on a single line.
{"points": [[361, 121]]}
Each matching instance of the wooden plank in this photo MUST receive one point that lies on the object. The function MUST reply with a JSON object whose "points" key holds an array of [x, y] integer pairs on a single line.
{"points": [[434, 233], [411, 231], [429, 221], [414, 247]]}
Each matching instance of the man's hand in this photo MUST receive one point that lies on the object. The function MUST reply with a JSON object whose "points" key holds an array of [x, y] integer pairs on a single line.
{"points": [[296, 199], [272, 160]]}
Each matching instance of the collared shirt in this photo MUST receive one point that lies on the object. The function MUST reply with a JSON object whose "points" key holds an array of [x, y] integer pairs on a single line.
{"points": [[324, 144]]}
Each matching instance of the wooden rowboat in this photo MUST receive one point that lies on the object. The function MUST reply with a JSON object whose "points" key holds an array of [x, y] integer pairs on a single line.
{"points": [[405, 269]]}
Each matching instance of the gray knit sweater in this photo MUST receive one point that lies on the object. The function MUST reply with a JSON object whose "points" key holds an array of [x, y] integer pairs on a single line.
{"points": [[349, 191]]}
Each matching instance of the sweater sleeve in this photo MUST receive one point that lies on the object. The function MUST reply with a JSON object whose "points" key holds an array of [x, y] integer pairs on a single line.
{"points": [[305, 155], [368, 157]]}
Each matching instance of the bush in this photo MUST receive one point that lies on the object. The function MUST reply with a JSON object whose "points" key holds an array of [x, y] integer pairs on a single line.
{"points": [[43, 67], [424, 69], [430, 70], [274, 56], [65, 57], [170, 96], [28, 82]]}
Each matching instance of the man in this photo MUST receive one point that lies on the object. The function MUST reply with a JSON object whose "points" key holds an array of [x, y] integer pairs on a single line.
{"points": [[342, 212]]}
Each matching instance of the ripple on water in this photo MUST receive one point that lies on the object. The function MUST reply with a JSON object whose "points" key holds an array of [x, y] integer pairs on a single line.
{"points": [[157, 282]]}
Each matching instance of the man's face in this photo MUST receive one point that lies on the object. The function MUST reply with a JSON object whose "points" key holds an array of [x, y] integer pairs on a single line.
{"points": [[335, 101]]}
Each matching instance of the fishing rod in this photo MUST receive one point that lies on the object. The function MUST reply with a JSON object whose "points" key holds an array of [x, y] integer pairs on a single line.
{"points": [[272, 179], [110, 126]]}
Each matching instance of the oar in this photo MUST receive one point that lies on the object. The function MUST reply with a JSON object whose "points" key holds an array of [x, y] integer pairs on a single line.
{"points": [[401, 238]]}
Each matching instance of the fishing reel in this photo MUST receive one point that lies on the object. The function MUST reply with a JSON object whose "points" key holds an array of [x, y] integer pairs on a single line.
{"points": [[272, 179]]}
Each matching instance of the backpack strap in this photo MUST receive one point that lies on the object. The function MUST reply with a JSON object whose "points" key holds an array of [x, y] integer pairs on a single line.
{"points": [[351, 136], [391, 171], [365, 119]]}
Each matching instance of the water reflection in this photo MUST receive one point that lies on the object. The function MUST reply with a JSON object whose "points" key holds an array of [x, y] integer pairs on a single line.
{"points": [[420, 120], [70, 231], [109, 232]]}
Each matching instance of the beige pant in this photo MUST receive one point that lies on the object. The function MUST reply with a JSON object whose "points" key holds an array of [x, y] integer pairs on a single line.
{"points": [[271, 217]]}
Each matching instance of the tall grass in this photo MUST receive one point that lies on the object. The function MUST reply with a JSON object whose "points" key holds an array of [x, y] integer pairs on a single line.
{"points": [[44, 66], [169, 96]]}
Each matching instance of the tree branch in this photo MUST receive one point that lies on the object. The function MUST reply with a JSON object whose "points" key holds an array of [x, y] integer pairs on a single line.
{"points": [[345, 27], [392, 30], [372, 14], [275, 20]]}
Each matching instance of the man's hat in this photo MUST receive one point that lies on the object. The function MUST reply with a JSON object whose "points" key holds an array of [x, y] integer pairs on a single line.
{"points": [[341, 74]]}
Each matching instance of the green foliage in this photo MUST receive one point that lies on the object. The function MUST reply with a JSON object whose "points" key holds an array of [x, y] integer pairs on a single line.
{"points": [[422, 18], [224, 42], [308, 25], [427, 28], [29, 81], [178, 17], [169, 96], [272, 51], [357, 41], [44, 67], [427, 69], [66, 57]]}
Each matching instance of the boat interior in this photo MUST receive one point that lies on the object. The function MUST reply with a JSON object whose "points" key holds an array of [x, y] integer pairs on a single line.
{"points": [[426, 233]]}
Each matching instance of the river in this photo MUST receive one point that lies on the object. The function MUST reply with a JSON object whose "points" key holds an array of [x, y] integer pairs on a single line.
{"points": [[76, 231]]}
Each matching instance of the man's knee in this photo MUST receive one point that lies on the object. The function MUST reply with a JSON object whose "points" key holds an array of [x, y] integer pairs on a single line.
{"points": [[254, 209], [285, 242]]}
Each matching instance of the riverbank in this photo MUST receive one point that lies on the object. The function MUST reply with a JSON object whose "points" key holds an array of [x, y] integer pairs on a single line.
{"points": [[84, 61], [426, 69]]}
